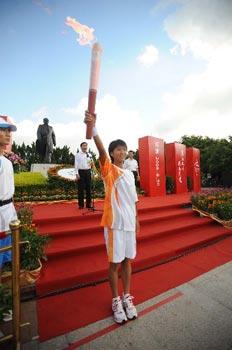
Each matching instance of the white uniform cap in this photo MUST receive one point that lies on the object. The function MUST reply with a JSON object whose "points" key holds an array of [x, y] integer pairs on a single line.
{"points": [[5, 124]]}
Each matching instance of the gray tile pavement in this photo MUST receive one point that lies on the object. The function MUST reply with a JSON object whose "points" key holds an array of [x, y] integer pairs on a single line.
{"points": [[200, 319]]}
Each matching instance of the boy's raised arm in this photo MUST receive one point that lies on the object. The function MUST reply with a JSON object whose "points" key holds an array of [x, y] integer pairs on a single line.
{"points": [[98, 142]]}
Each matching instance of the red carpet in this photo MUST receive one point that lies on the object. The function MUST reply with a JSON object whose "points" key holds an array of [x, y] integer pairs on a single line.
{"points": [[77, 254], [61, 314]]}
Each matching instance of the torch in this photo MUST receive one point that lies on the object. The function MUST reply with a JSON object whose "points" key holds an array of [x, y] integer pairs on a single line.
{"points": [[94, 77]]}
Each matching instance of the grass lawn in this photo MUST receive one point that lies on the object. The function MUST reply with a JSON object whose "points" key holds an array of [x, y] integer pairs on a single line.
{"points": [[28, 178]]}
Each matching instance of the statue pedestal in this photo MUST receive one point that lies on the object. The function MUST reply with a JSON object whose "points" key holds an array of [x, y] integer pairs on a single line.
{"points": [[41, 168]]}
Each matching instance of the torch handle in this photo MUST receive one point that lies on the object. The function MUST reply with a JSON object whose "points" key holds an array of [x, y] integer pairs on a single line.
{"points": [[91, 109]]}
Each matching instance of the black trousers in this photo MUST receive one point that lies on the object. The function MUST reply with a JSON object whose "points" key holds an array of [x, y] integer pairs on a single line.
{"points": [[84, 186], [135, 173]]}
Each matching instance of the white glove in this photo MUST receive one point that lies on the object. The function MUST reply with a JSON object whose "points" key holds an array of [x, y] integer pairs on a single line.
{"points": [[94, 131]]}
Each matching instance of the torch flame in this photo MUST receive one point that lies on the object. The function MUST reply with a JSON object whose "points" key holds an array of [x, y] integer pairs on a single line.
{"points": [[85, 33]]}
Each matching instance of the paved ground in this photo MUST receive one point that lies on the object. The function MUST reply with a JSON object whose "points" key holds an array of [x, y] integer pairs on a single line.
{"points": [[196, 315]]}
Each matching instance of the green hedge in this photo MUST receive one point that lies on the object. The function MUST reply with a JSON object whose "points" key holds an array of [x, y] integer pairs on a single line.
{"points": [[30, 187]]}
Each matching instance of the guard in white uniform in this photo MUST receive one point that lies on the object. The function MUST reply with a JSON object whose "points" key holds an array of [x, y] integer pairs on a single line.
{"points": [[7, 210]]}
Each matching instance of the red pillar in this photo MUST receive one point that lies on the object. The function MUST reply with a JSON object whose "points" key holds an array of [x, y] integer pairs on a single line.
{"points": [[193, 168], [152, 166], [8, 147], [175, 156]]}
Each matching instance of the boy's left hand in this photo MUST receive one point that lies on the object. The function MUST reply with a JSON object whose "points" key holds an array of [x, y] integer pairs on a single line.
{"points": [[89, 118]]}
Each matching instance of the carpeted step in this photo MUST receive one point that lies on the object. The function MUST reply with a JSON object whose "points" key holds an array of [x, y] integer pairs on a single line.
{"points": [[52, 214], [53, 211], [76, 216], [85, 224], [72, 224], [92, 238], [77, 268]]}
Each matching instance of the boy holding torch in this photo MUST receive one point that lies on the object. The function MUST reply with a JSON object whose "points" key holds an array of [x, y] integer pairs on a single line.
{"points": [[120, 220]]}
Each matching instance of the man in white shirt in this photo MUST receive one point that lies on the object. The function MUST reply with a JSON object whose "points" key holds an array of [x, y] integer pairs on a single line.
{"points": [[7, 210], [83, 163], [131, 164]]}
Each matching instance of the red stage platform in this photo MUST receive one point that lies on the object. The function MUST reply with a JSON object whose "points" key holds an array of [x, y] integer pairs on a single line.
{"points": [[77, 257]]}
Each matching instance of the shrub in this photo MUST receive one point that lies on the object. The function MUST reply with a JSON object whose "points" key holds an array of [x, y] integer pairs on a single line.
{"points": [[223, 211], [189, 183], [218, 203], [16, 160], [57, 182], [201, 201], [34, 251], [169, 184], [98, 187], [5, 300]]}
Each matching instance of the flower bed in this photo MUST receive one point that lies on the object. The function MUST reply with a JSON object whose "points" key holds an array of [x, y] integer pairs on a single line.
{"points": [[17, 162], [43, 193], [217, 204], [33, 187], [32, 251]]}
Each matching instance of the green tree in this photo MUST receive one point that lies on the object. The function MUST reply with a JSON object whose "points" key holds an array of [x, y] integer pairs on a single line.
{"points": [[29, 154], [216, 156], [62, 156]]}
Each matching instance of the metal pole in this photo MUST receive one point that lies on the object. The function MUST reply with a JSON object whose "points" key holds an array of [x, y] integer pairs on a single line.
{"points": [[15, 230]]}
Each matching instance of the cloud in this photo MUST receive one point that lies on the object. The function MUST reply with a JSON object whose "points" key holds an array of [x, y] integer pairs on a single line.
{"points": [[115, 122], [162, 5], [26, 131], [41, 111], [201, 27], [43, 6], [77, 110], [149, 56], [174, 50], [202, 103], [112, 121]]}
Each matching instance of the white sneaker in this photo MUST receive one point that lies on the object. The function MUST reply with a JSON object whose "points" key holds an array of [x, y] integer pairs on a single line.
{"points": [[119, 313], [129, 307]]}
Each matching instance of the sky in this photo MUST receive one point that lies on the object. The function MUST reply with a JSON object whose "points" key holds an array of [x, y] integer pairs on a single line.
{"points": [[165, 69]]}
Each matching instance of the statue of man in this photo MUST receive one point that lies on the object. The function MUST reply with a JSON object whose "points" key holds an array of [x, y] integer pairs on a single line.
{"points": [[46, 139]]}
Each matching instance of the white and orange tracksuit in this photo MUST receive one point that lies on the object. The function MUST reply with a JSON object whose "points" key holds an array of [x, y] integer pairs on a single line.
{"points": [[119, 217]]}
